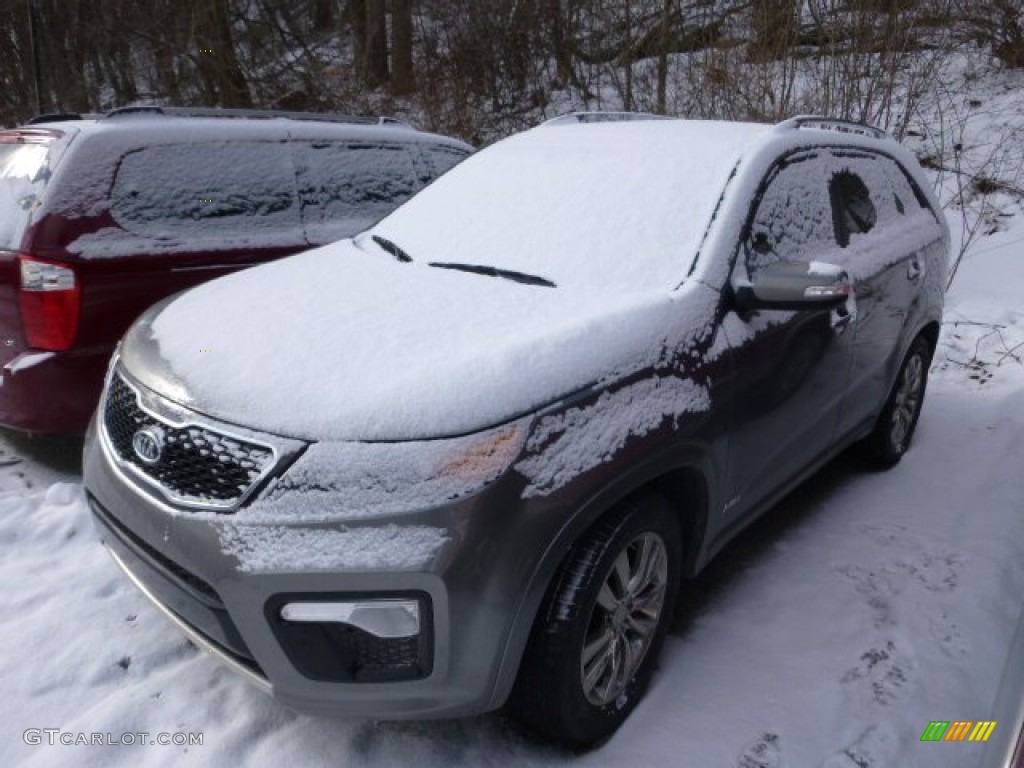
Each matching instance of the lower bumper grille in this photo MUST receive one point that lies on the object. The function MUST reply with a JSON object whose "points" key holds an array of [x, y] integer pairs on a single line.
{"points": [[176, 590]]}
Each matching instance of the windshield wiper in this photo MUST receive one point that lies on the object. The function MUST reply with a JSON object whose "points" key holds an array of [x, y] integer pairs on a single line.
{"points": [[508, 274], [391, 248]]}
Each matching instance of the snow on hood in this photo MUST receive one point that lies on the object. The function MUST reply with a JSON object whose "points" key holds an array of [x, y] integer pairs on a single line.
{"points": [[607, 206], [347, 343]]}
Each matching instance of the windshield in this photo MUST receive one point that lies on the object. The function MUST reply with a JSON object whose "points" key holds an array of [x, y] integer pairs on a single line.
{"points": [[601, 208], [23, 172]]}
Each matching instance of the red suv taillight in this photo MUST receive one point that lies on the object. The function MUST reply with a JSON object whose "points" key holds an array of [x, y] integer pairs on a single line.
{"points": [[50, 298]]}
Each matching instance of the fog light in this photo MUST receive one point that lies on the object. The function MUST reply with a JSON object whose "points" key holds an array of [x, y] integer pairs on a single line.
{"points": [[380, 618], [341, 637]]}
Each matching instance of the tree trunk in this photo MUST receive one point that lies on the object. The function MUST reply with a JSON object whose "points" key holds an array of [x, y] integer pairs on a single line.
{"points": [[627, 56], [376, 43], [557, 25], [663, 57], [323, 15], [775, 28], [218, 63], [357, 12], [402, 76]]}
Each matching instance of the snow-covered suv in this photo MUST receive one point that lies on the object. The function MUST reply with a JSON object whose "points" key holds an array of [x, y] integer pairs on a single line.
{"points": [[468, 456]]}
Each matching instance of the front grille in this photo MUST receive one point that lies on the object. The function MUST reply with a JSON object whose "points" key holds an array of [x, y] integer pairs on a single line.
{"points": [[197, 465]]}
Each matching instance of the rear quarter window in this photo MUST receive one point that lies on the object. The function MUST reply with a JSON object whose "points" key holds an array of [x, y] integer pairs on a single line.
{"points": [[345, 187], [209, 191]]}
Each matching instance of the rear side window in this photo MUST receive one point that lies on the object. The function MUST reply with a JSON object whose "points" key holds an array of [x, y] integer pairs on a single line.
{"points": [[345, 187], [440, 159], [24, 169], [853, 212], [222, 190]]}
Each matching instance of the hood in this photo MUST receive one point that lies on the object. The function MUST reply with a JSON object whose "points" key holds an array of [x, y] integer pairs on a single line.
{"points": [[347, 343]]}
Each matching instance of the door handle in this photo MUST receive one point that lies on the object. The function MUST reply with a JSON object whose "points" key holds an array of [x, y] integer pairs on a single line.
{"points": [[915, 269], [840, 319]]}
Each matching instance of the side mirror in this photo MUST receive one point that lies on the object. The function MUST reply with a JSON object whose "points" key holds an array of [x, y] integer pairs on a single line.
{"points": [[794, 285]]}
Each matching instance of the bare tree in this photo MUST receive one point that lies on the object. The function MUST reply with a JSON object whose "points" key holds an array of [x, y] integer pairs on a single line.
{"points": [[403, 80]]}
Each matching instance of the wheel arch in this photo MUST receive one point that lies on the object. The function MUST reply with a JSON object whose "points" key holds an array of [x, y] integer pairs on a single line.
{"points": [[687, 485], [931, 334]]}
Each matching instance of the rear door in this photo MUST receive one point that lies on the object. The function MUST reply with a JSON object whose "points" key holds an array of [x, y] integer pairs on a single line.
{"points": [[883, 228]]}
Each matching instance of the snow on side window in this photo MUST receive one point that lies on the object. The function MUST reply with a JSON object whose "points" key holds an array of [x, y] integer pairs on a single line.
{"points": [[213, 189], [853, 212], [440, 159], [793, 221], [345, 187], [23, 172], [905, 196], [891, 192]]}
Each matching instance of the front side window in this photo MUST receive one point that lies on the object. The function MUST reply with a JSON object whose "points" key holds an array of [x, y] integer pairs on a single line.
{"points": [[209, 190], [792, 220]]}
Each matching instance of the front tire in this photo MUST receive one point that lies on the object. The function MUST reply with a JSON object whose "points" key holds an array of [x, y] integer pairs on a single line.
{"points": [[898, 419], [597, 637]]}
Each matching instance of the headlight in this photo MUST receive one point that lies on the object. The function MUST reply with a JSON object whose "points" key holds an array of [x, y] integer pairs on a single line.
{"points": [[347, 481]]}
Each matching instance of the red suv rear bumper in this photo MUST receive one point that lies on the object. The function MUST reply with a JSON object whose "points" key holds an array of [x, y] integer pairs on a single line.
{"points": [[52, 392]]}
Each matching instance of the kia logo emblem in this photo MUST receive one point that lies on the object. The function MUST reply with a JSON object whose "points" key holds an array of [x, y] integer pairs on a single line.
{"points": [[149, 445]]}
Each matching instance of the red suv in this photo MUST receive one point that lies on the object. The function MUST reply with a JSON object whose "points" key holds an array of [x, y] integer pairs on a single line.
{"points": [[100, 217]]}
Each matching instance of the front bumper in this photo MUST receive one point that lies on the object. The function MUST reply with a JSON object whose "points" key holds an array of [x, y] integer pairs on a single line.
{"points": [[475, 616]]}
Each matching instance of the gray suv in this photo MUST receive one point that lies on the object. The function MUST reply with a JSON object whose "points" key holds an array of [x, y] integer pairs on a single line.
{"points": [[467, 458]]}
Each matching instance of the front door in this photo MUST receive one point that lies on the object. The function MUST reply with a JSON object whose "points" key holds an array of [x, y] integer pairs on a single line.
{"points": [[790, 367]]}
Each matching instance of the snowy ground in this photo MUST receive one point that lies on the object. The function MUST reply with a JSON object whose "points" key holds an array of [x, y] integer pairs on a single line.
{"points": [[828, 636]]}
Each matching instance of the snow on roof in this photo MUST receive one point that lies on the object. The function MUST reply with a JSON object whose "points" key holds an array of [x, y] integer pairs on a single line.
{"points": [[182, 128]]}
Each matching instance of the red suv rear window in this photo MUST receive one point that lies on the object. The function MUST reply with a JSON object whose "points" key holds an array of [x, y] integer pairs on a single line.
{"points": [[24, 170]]}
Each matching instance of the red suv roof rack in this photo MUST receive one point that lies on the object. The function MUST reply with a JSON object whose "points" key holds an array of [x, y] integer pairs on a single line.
{"points": [[251, 113], [56, 117]]}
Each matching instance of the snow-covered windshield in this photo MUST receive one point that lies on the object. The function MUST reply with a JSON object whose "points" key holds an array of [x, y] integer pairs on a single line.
{"points": [[602, 208], [23, 171]]}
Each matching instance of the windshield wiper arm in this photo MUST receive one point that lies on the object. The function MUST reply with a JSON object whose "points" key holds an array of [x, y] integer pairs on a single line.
{"points": [[391, 248], [508, 274]]}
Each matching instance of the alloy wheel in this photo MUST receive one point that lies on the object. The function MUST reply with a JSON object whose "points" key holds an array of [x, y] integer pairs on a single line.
{"points": [[624, 619], [907, 401]]}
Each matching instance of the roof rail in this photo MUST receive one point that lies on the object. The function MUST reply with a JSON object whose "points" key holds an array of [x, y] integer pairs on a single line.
{"points": [[55, 117], [602, 117], [253, 113], [837, 125]]}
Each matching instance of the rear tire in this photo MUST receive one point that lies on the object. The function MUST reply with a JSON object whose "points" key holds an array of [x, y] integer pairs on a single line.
{"points": [[894, 429], [596, 639]]}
